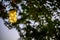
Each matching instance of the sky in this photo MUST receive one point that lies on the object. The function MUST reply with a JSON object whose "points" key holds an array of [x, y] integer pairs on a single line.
{"points": [[6, 34]]}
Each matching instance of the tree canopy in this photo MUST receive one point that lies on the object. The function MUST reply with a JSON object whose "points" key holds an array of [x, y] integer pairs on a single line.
{"points": [[40, 18]]}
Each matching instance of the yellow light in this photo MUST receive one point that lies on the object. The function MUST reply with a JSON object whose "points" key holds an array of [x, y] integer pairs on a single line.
{"points": [[12, 16]]}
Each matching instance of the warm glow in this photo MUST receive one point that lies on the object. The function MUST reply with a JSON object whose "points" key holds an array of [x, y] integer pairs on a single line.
{"points": [[12, 16]]}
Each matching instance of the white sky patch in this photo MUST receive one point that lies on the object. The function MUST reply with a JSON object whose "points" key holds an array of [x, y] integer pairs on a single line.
{"points": [[22, 25], [6, 20], [9, 7], [0, 0], [54, 13], [58, 26], [19, 17], [53, 18], [47, 5], [20, 8], [6, 34], [24, 2], [48, 2], [58, 10], [36, 23], [33, 39], [35, 6], [32, 22], [15, 35], [23, 32], [5, 3]]}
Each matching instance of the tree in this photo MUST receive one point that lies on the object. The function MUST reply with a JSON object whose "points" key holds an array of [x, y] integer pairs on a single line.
{"points": [[40, 17]]}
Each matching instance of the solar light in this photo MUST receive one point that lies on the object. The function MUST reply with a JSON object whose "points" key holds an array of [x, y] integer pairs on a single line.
{"points": [[12, 16]]}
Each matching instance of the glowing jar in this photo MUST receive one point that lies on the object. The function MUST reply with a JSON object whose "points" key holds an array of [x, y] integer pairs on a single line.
{"points": [[12, 16]]}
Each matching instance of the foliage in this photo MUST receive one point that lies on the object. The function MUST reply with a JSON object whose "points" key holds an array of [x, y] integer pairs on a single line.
{"points": [[41, 12]]}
